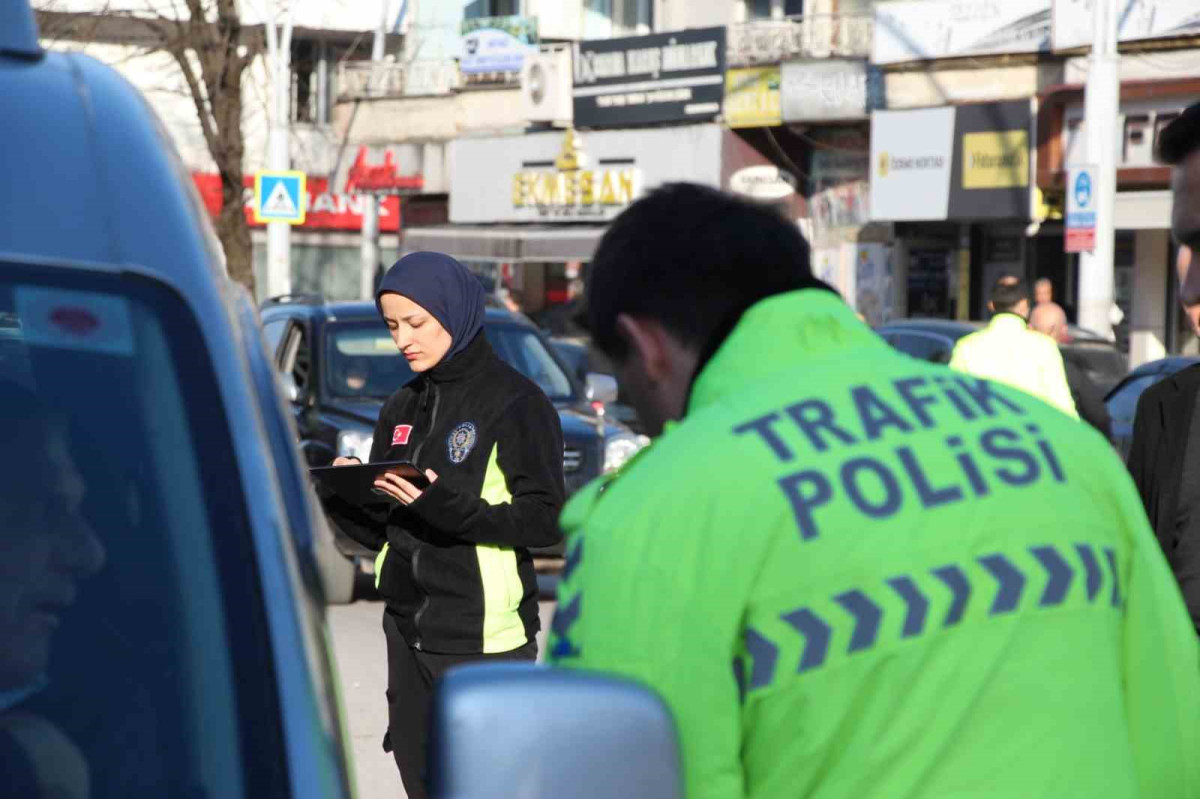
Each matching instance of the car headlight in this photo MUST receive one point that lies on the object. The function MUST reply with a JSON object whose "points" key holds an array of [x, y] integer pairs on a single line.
{"points": [[618, 449], [355, 444]]}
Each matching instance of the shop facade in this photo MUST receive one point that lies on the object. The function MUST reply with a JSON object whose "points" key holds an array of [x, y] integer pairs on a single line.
{"points": [[956, 182], [1145, 288]]}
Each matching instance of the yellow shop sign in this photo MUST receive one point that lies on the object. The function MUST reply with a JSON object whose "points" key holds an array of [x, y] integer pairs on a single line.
{"points": [[571, 188]]}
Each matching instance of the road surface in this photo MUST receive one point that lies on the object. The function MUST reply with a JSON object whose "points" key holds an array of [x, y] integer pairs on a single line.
{"points": [[362, 667]]}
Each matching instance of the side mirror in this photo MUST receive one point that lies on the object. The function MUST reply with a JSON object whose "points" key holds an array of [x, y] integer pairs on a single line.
{"points": [[601, 388], [290, 389], [566, 734]]}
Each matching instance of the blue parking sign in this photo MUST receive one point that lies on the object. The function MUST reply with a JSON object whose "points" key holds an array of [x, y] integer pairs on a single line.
{"points": [[280, 197]]}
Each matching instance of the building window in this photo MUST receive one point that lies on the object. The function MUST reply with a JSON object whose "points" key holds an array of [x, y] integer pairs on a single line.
{"points": [[758, 9], [607, 18], [311, 86], [793, 8], [491, 8], [1137, 144]]}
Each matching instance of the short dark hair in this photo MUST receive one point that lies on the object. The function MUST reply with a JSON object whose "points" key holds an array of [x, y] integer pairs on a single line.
{"points": [[1007, 293], [1181, 137], [694, 259]]}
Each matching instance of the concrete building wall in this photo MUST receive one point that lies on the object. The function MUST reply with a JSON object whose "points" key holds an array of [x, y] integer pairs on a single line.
{"points": [[1148, 325]]}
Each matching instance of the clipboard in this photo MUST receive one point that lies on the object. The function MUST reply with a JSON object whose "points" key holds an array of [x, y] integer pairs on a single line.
{"points": [[356, 484]]}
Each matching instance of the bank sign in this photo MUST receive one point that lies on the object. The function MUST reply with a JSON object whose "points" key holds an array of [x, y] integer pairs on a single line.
{"points": [[669, 77], [959, 162]]}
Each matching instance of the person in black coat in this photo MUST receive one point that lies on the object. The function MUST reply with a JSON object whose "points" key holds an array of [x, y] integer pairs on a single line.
{"points": [[1164, 457], [1050, 319]]}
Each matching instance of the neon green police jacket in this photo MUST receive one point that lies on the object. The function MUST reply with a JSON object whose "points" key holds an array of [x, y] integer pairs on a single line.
{"points": [[854, 574]]}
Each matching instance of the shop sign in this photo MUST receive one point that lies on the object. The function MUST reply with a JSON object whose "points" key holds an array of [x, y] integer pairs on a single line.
{"points": [[570, 188], [1081, 209], [669, 77], [497, 44], [324, 209], [911, 156], [991, 174], [380, 178], [765, 182], [961, 162], [1144, 19], [817, 91], [920, 30], [752, 97]]}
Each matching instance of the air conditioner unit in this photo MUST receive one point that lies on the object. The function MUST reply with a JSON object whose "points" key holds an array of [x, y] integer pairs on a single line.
{"points": [[546, 87]]}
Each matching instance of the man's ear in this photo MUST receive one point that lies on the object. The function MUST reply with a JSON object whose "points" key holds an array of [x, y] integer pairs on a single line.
{"points": [[991, 307], [647, 341]]}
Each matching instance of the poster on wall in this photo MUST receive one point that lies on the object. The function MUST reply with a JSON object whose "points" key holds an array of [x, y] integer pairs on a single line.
{"points": [[873, 282], [918, 30], [1138, 19], [827, 265]]}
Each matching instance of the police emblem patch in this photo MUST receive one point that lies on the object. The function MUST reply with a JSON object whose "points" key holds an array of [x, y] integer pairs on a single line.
{"points": [[461, 442]]}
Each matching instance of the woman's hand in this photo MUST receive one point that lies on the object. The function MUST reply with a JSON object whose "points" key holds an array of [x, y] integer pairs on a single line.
{"points": [[400, 489], [342, 461]]}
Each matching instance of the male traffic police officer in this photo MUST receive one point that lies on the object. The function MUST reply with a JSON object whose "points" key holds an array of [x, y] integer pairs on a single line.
{"points": [[834, 564]]}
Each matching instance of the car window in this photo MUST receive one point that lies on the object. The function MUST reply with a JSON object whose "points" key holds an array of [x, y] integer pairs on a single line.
{"points": [[925, 346], [273, 333], [362, 361], [524, 351], [130, 611], [1123, 403]]}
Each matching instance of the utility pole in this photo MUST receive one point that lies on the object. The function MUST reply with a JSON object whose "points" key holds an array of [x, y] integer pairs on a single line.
{"points": [[1101, 107], [370, 227], [279, 65]]}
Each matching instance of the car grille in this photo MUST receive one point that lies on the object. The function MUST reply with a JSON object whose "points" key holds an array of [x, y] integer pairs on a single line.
{"points": [[572, 460]]}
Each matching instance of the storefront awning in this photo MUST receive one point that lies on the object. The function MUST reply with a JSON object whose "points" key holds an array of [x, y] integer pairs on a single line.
{"points": [[511, 244]]}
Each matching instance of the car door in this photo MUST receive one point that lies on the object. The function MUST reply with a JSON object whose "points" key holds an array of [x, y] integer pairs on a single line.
{"points": [[924, 346]]}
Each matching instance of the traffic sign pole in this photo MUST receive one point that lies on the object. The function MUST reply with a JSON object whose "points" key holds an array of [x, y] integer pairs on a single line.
{"points": [[1101, 107], [279, 52]]}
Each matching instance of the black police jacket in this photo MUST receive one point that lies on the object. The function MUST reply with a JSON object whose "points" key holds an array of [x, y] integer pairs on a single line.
{"points": [[454, 567]]}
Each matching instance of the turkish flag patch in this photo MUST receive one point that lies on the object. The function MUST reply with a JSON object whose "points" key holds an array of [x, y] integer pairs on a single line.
{"points": [[401, 433]]}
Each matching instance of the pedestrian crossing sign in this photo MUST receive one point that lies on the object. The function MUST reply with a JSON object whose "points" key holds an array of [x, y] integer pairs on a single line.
{"points": [[279, 197]]}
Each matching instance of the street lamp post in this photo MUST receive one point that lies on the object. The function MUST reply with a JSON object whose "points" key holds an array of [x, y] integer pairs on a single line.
{"points": [[370, 227], [1101, 108]]}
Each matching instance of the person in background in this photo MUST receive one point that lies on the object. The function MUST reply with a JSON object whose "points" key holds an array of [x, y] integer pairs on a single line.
{"points": [[1049, 319], [47, 548], [1043, 292], [1164, 454], [835, 562], [454, 567], [1009, 352]]}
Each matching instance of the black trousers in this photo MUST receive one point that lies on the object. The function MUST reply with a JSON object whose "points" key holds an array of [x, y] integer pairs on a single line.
{"points": [[411, 677]]}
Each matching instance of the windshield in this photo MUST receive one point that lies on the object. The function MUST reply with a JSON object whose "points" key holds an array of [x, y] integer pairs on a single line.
{"points": [[128, 627], [363, 361]]}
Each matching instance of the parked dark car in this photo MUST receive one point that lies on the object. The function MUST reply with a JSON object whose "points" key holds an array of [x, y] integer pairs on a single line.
{"points": [[339, 364], [934, 339], [162, 632], [1123, 399], [597, 375]]}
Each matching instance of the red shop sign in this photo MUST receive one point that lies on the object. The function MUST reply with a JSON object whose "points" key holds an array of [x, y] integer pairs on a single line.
{"points": [[326, 210]]}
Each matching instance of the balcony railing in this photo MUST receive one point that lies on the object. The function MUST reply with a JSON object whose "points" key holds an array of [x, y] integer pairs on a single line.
{"points": [[362, 79], [809, 36]]}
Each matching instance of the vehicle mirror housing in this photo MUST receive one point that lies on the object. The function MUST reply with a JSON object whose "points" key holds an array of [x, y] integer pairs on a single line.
{"points": [[290, 389], [509, 730], [601, 388]]}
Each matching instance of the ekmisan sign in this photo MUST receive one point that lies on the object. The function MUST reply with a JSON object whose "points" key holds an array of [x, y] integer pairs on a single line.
{"points": [[669, 77]]}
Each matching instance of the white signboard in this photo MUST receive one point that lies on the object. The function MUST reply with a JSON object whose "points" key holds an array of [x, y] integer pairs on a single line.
{"points": [[917, 30], [830, 89], [911, 156], [765, 182], [1136, 19], [571, 176]]}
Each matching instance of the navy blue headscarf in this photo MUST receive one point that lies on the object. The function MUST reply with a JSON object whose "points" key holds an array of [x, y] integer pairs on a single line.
{"points": [[445, 288]]}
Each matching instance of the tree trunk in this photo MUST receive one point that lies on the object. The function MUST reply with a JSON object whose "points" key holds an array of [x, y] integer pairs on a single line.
{"points": [[234, 233]]}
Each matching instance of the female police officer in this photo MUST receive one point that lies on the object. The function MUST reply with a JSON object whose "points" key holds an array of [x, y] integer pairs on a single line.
{"points": [[454, 568]]}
